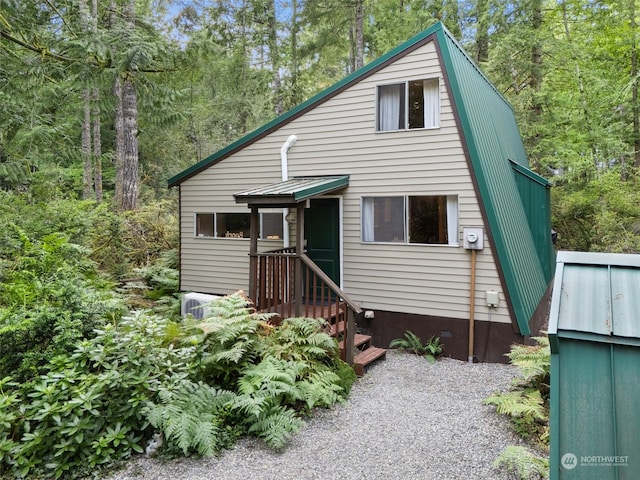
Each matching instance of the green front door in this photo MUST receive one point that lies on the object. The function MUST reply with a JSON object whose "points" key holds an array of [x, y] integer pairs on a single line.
{"points": [[322, 233]]}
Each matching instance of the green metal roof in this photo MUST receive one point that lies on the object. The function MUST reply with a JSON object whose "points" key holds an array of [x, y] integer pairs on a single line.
{"points": [[596, 296], [292, 191], [492, 139]]}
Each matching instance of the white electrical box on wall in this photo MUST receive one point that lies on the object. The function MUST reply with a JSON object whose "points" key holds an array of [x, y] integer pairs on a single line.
{"points": [[473, 238], [493, 298]]}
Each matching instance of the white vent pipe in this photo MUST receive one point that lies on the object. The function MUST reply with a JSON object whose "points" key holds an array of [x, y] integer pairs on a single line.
{"points": [[284, 166]]}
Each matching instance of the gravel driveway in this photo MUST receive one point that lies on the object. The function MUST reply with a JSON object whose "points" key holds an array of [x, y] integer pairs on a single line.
{"points": [[405, 419]]}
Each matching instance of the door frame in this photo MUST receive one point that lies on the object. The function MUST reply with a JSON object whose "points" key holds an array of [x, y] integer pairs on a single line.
{"points": [[340, 233]]}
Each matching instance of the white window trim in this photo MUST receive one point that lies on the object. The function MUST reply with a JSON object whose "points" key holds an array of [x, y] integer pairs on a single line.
{"points": [[406, 106], [452, 226], [215, 228]]}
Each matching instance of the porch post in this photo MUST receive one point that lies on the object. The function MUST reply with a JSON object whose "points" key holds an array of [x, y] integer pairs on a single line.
{"points": [[297, 284], [254, 231]]}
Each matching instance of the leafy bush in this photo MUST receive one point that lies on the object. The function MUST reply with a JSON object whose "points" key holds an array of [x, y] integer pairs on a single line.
{"points": [[51, 297], [87, 410], [412, 343]]}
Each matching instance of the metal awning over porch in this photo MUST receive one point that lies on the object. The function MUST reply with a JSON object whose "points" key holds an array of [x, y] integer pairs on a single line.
{"points": [[291, 192]]}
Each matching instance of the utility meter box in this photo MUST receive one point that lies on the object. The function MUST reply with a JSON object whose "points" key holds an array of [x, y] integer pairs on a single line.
{"points": [[473, 238]]}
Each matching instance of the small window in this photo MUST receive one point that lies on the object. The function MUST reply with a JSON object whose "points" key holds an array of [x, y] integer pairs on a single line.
{"points": [[413, 104], [425, 219], [271, 228], [204, 225], [233, 225], [238, 225]]}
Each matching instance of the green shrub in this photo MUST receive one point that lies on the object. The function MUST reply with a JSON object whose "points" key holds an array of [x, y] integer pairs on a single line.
{"points": [[87, 410], [51, 296]]}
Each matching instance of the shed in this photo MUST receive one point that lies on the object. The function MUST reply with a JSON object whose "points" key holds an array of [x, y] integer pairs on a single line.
{"points": [[594, 333]]}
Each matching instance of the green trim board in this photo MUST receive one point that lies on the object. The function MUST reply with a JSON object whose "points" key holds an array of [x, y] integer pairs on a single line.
{"points": [[292, 191]]}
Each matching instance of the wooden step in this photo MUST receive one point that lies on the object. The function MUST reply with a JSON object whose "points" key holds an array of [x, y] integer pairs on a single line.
{"points": [[358, 341], [336, 328], [366, 357]]}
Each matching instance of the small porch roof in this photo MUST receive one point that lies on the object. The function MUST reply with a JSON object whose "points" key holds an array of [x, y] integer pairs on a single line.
{"points": [[292, 191]]}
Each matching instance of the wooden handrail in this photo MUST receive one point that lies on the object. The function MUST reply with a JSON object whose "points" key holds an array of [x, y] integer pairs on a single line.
{"points": [[331, 284], [278, 287]]}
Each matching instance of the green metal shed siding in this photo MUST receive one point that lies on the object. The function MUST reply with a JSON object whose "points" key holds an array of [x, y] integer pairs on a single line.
{"points": [[594, 332], [492, 138]]}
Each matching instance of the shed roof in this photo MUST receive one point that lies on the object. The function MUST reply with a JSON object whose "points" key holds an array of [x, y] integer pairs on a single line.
{"points": [[596, 296], [491, 137], [292, 191]]}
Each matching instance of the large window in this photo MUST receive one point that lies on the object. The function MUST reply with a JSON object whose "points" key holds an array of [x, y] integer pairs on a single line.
{"points": [[427, 219], [412, 104], [237, 225]]}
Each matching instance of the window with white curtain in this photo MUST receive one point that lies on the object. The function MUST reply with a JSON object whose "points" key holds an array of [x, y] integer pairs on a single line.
{"points": [[425, 219], [412, 104]]}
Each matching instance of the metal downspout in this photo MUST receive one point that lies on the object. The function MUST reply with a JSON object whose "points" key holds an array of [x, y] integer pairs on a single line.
{"points": [[284, 166]]}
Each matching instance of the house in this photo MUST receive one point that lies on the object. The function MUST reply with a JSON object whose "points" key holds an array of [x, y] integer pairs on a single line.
{"points": [[406, 184]]}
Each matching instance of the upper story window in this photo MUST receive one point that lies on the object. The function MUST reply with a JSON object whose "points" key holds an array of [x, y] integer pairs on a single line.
{"points": [[411, 104], [426, 219], [237, 225]]}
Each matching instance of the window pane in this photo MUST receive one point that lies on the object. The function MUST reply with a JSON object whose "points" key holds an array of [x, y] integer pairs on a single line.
{"points": [[428, 220], [233, 225], [271, 226], [383, 219], [424, 103], [204, 224], [416, 104], [391, 107]]}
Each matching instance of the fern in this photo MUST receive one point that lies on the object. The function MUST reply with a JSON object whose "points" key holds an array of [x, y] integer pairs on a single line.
{"points": [[521, 461], [194, 418], [275, 425], [534, 361], [528, 404], [320, 389], [412, 343]]}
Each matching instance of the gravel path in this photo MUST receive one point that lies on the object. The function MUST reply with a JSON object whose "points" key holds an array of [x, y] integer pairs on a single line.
{"points": [[405, 419]]}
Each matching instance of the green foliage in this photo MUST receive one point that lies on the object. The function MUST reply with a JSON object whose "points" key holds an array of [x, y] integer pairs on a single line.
{"points": [[521, 461], [51, 297], [194, 417], [527, 405], [87, 409], [431, 350]]}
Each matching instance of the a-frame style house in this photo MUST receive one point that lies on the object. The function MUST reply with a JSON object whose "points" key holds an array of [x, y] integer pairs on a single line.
{"points": [[399, 198]]}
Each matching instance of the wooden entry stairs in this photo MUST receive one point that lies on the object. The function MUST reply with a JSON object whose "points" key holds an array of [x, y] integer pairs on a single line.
{"points": [[292, 285]]}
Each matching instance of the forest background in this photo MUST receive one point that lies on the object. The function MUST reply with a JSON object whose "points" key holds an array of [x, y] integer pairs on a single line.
{"points": [[103, 100]]}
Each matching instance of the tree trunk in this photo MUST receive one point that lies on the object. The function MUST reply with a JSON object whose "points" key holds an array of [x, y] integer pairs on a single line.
{"points": [[97, 146], [85, 134], [535, 81], [95, 113], [126, 126], [482, 31], [359, 34], [272, 26]]}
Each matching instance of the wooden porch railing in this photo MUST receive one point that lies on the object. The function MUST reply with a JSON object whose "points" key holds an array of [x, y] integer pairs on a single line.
{"points": [[292, 285]]}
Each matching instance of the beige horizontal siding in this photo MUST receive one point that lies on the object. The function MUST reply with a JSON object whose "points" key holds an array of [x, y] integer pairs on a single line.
{"points": [[339, 137]]}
